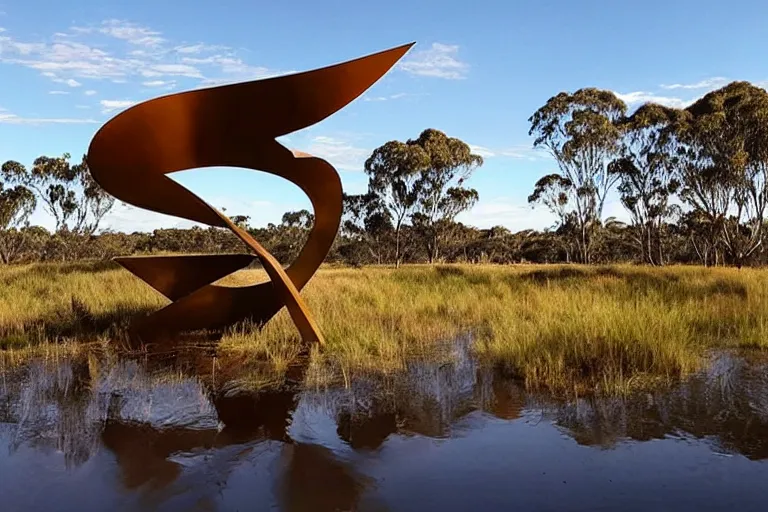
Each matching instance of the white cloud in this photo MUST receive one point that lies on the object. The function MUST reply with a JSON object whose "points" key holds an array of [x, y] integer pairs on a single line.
{"points": [[66, 58], [9, 45], [89, 92], [440, 61], [519, 152], [386, 98], [525, 152], [166, 84], [708, 83], [68, 81], [482, 151], [638, 97], [108, 106], [63, 57], [58, 92], [173, 70], [9, 118], [233, 69], [702, 87], [130, 32], [342, 154], [198, 48]]}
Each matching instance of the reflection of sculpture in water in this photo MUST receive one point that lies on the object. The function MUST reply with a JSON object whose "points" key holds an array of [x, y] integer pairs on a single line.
{"points": [[311, 478], [234, 126]]}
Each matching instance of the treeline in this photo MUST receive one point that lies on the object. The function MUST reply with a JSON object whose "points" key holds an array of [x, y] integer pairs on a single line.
{"points": [[694, 182], [465, 244]]}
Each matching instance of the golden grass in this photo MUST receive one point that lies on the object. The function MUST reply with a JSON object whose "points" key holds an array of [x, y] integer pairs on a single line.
{"points": [[597, 328]]}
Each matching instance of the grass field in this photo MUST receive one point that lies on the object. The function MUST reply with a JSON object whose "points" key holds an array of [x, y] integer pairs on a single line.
{"points": [[564, 327]]}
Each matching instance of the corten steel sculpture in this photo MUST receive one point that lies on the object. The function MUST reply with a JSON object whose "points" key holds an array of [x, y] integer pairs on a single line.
{"points": [[233, 126]]}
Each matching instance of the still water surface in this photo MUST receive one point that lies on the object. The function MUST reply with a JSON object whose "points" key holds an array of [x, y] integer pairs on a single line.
{"points": [[97, 432]]}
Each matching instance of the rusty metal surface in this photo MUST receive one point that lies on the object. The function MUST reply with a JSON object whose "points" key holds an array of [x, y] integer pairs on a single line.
{"points": [[230, 126]]}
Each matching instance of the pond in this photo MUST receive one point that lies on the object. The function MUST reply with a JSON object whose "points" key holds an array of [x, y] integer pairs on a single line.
{"points": [[100, 432]]}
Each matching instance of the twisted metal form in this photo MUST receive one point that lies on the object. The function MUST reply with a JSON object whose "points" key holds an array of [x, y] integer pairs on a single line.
{"points": [[233, 126]]}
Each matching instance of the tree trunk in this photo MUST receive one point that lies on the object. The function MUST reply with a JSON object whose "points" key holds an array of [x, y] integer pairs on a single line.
{"points": [[397, 245], [661, 251], [650, 246]]}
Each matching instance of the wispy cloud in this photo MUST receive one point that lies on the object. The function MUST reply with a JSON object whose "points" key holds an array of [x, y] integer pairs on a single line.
{"points": [[525, 152], [386, 98], [67, 81], [708, 83], [165, 84], [639, 97], [89, 92], [193, 49], [233, 69], [108, 106], [58, 92], [126, 51], [171, 70], [439, 60], [342, 154], [9, 118], [125, 30], [518, 152], [697, 89], [482, 151]]}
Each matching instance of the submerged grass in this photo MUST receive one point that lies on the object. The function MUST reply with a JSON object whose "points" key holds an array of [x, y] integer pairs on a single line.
{"points": [[607, 328]]}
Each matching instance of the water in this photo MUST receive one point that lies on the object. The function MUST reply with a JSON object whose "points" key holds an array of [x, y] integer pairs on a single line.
{"points": [[98, 432]]}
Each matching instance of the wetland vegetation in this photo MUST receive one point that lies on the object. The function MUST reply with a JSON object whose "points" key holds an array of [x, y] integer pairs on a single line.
{"points": [[568, 328]]}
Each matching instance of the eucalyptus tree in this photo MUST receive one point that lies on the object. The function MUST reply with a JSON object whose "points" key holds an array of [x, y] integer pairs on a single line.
{"points": [[442, 195], [16, 205], [582, 132], [724, 165], [647, 178], [68, 192], [394, 171], [366, 222]]}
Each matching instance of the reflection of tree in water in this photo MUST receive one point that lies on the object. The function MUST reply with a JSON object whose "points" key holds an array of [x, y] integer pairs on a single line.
{"points": [[149, 423], [160, 425], [53, 410], [428, 400], [728, 404]]}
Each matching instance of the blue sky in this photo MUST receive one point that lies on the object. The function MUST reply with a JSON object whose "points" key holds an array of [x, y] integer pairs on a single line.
{"points": [[478, 71]]}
